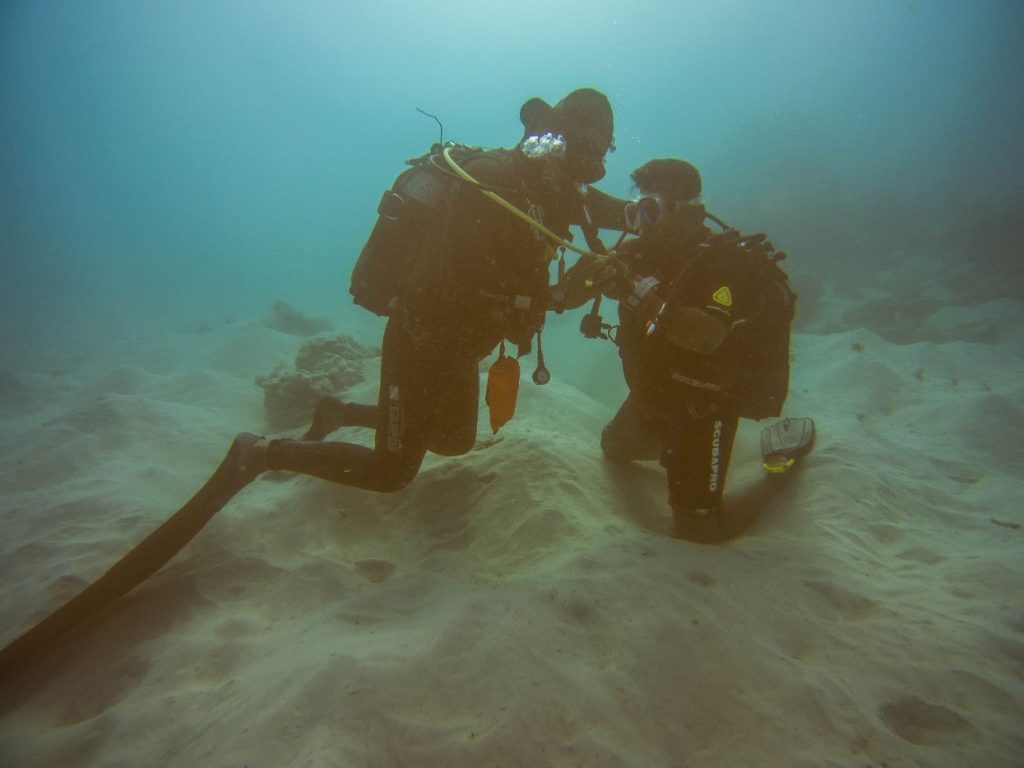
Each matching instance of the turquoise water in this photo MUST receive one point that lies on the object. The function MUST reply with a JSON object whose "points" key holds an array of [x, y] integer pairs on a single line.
{"points": [[182, 165], [190, 162]]}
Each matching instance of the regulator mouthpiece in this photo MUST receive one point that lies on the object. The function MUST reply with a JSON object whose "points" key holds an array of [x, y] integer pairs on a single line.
{"points": [[544, 146]]}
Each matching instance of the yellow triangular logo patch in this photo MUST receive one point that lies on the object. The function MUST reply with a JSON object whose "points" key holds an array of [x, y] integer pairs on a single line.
{"points": [[723, 296]]}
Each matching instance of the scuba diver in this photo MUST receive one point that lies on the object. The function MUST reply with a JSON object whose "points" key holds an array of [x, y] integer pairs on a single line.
{"points": [[458, 270], [458, 261], [703, 334]]}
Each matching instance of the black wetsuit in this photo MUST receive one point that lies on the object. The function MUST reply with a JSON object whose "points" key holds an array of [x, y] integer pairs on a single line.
{"points": [[482, 278], [685, 403]]}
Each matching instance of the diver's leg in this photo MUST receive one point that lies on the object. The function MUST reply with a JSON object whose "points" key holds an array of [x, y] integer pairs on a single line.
{"points": [[347, 464], [402, 429], [696, 460], [360, 415], [250, 456], [331, 414], [631, 435], [455, 395]]}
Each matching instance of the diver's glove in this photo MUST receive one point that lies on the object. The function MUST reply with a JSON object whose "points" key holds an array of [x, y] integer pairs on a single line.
{"points": [[614, 278], [607, 275]]}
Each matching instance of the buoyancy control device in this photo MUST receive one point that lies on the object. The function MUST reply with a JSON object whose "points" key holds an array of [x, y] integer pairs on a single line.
{"points": [[406, 215], [748, 360]]}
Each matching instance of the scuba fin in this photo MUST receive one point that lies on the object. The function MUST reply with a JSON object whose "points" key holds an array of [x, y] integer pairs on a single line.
{"points": [[235, 472], [784, 442], [502, 389]]}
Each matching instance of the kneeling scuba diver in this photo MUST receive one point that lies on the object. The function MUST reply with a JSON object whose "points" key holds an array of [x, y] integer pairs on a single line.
{"points": [[574, 136], [703, 333]]}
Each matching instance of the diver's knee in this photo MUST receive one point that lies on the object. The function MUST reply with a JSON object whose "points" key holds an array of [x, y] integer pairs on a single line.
{"points": [[394, 477], [454, 446], [701, 525], [613, 448], [392, 484]]}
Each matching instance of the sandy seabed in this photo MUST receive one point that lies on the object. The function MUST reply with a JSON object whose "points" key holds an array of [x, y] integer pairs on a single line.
{"points": [[525, 605]]}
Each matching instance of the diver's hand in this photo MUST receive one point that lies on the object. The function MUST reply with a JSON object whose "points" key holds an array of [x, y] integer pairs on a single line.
{"points": [[606, 274], [614, 278]]}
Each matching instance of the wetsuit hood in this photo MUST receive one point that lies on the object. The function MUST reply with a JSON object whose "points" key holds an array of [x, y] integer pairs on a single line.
{"points": [[586, 121]]}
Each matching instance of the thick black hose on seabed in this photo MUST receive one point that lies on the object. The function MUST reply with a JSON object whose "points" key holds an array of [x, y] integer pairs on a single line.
{"points": [[132, 569]]}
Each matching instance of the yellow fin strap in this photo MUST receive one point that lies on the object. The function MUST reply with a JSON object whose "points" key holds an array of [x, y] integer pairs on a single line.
{"points": [[779, 466]]}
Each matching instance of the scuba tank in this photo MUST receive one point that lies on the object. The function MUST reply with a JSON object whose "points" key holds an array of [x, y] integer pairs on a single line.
{"points": [[406, 215]]}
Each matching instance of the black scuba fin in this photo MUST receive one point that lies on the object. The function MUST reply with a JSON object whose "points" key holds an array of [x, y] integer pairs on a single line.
{"points": [[239, 468], [784, 442]]}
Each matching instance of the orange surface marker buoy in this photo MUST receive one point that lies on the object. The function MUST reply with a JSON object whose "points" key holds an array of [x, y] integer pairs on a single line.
{"points": [[502, 389]]}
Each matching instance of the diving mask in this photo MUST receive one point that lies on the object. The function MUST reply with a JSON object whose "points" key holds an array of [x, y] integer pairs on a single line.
{"points": [[643, 213]]}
